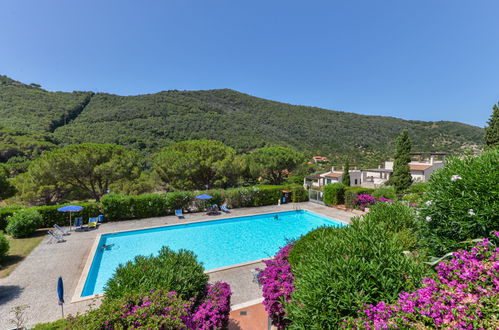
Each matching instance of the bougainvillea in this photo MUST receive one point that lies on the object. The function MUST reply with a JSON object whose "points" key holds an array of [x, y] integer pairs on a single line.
{"points": [[364, 200], [277, 285], [213, 313], [463, 295], [156, 310]]}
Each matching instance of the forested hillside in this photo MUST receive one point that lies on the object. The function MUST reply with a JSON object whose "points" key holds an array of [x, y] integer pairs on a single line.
{"points": [[148, 122]]}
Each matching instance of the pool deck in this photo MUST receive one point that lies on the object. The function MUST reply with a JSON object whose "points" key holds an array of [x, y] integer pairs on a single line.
{"points": [[34, 281]]}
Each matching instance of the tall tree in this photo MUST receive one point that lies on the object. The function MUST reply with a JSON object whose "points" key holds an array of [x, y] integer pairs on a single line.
{"points": [[196, 164], [345, 177], [6, 188], [274, 163], [401, 178], [88, 168], [492, 130]]}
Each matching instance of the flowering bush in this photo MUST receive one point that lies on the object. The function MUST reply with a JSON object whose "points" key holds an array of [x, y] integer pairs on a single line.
{"points": [[337, 270], [213, 313], [462, 202], [464, 295], [155, 310], [363, 200], [277, 285]]}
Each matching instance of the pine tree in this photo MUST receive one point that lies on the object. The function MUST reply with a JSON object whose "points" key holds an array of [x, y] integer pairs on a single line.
{"points": [[345, 177], [401, 178], [492, 131]]}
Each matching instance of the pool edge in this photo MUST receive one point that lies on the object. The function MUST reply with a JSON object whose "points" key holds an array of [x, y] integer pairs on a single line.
{"points": [[88, 264]]}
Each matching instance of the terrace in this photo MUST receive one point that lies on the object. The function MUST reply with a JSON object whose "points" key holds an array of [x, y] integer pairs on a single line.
{"points": [[33, 282]]}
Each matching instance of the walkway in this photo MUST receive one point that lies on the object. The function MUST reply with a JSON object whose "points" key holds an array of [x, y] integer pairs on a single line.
{"points": [[33, 282]]}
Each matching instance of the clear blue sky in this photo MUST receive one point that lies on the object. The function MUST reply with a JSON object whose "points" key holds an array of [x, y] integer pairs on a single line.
{"points": [[414, 59]]}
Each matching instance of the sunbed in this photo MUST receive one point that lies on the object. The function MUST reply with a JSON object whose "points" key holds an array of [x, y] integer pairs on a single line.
{"points": [[179, 214], [78, 223], [62, 230], [225, 209], [58, 238], [92, 223]]}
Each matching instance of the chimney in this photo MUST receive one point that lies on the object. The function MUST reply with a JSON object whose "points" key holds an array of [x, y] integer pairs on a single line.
{"points": [[432, 159], [332, 168], [379, 166]]}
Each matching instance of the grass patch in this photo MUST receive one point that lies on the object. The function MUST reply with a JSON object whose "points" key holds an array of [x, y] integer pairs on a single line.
{"points": [[20, 248]]}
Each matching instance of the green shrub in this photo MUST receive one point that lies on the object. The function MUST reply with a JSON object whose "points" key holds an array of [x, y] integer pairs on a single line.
{"points": [[398, 220], [299, 194], [23, 223], [386, 192], [4, 246], [462, 202], [240, 197], [412, 198], [178, 200], [418, 188], [334, 194], [168, 271], [351, 194], [337, 270], [6, 212], [266, 195]]}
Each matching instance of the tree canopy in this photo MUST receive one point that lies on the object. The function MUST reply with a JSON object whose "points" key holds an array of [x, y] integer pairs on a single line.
{"points": [[345, 178], [86, 168], [401, 178], [492, 130], [6, 188], [196, 164], [274, 164]]}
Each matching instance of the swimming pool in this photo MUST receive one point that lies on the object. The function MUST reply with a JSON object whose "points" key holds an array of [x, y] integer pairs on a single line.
{"points": [[217, 243]]}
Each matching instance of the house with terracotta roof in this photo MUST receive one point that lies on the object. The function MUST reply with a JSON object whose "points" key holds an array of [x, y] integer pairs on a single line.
{"points": [[333, 176], [421, 169], [320, 159]]}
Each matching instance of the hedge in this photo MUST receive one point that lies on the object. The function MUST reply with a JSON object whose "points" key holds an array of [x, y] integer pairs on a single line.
{"points": [[334, 194], [6, 212], [351, 194], [51, 216], [116, 207]]}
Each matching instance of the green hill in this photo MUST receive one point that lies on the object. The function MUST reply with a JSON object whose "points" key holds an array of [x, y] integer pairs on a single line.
{"points": [[148, 122]]}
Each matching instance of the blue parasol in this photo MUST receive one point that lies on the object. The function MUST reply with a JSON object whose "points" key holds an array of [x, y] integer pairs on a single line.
{"points": [[204, 196], [70, 209], [60, 293]]}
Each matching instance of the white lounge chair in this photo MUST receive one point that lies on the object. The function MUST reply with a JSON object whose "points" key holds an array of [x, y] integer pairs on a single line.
{"points": [[62, 230], [58, 238]]}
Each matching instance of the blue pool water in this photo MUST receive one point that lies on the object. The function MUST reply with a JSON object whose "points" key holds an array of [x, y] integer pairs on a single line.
{"points": [[216, 243]]}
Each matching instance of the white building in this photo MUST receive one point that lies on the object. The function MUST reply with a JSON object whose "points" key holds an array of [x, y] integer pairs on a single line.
{"points": [[421, 169], [333, 176]]}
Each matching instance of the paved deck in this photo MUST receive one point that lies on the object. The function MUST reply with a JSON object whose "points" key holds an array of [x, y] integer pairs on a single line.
{"points": [[34, 281]]}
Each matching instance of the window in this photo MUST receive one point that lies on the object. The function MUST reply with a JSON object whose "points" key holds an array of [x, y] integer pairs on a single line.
{"points": [[355, 181]]}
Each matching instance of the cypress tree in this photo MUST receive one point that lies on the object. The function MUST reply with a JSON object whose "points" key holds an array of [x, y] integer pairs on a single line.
{"points": [[492, 131], [401, 178], [345, 177]]}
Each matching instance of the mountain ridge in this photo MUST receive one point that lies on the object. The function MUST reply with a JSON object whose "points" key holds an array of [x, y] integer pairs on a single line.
{"points": [[148, 122]]}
